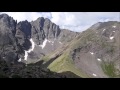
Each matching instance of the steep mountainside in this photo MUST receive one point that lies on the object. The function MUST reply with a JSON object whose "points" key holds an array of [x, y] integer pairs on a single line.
{"points": [[41, 49], [95, 52], [29, 41]]}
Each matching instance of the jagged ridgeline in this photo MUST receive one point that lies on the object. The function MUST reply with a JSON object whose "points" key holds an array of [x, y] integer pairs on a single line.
{"points": [[22, 43], [40, 49]]}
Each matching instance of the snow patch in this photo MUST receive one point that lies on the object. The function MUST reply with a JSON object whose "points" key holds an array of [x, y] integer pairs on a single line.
{"points": [[114, 26], [50, 41], [91, 53], [111, 37], [104, 30], [30, 50], [62, 64], [98, 59], [3, 57], [113, 31], [60, 71], [33, 45], [60, 42], [94, 74], [19, 60], [44, 43], [44, 62], [26, 55]]}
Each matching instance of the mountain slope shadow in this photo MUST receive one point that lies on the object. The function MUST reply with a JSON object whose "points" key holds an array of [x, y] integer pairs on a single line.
{"points": [[50, 61], [69, 74]]}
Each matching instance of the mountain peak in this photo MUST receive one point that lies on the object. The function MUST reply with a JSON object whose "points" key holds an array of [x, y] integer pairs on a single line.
{"points": [[4, 15], [40, 19]]}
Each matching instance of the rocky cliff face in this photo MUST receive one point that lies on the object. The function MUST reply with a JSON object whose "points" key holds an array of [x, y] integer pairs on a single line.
{"points": [[44, 28], [8, 41], [29, 41]]}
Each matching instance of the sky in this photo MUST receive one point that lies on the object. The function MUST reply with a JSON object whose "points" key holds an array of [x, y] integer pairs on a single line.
{"points": [[75, 21]]}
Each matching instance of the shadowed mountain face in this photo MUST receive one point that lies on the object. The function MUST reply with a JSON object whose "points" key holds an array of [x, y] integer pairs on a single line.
{"points": [[20, 70], [8, 44], [92, 53]]}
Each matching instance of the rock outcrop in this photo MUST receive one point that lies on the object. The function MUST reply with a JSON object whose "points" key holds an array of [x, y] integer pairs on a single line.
{"points": [[17, 39]]}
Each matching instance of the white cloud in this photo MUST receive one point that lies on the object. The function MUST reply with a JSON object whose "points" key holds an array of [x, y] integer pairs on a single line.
{"points": [[20, 16], [79, 21], [76, 21]]}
